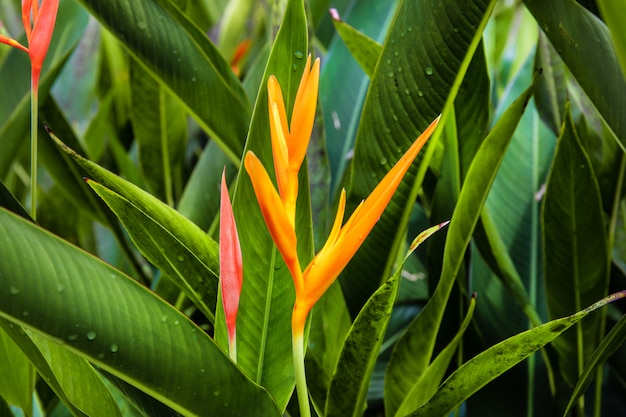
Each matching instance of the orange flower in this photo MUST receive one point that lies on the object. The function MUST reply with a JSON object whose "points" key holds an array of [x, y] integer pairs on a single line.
{"points": [[38, 34], [289, 149]]}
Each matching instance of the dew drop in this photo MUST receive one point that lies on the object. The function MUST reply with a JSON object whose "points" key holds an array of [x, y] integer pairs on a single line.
{"points": [[383, 161], [180, 258], [407, 91], [216, 393], [163, 318], [420, 93], [395, 118], [390, 74], [72, 337], [298, 54], [142, 25], [114, 348], [25, 313], [91, 335], [429, 71], [294, 68], [193, 79], [389, 62], [202, 370], [175, 322], [60, 288], [396, 53], [100, 355], [14, 290]]}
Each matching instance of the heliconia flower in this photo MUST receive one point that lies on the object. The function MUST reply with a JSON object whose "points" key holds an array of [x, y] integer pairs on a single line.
{"points": [[240, 52], [38, 33], [343, 241], [231, 267]]}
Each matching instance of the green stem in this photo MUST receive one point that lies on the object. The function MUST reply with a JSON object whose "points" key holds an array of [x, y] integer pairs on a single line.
{"points": [[298, 363], [34, 108]]}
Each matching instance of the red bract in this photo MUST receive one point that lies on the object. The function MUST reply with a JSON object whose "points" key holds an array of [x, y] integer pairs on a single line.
{"points": [[231, 266], [38, 24]]}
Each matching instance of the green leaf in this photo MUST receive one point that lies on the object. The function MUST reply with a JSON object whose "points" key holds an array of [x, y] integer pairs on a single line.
{"points": [[137, 338], [264, 350], [17, 376], [488, 365], [349, 384], [612, 13], [584, 44], [162, 248], [410, 87], [413, 352], [198, 251], [160, 129], [609, 345], [71, 377], [197, 202], [343, 83], [179, 54], [364, 49], [575, 248], [429, 381], [348, 388]]}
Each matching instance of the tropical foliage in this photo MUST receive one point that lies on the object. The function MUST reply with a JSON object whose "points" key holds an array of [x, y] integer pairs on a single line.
{"points": [[476, 147]]}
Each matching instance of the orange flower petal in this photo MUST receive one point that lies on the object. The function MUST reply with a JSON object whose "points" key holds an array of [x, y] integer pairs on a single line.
{"points": [[303, 115], [275, 95], [328, 263], [275, 216]]}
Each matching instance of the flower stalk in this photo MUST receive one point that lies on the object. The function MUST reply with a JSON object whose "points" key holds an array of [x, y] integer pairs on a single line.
{"points": [[38, 21]]}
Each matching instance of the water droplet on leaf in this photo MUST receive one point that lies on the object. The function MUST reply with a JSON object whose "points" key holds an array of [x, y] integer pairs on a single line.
{"points": [[91, 335]]}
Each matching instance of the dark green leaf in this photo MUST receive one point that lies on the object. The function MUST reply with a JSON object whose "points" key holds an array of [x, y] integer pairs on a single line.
{"points": [[488, 365], [178, 54], [107, 318], [575, 248], [423, 62]]}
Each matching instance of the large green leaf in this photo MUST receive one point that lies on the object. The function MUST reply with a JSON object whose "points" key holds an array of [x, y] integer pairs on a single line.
{"points": [[488, 365], [162, 248], [424, 59], [71, 377], [609, 345], [118, 325], [612, 12], [348, 387], [194, 255], [264, 320], [17, 375], [575, 248], [426, 386], [584, 43], [178, 54], [413, 352]]}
